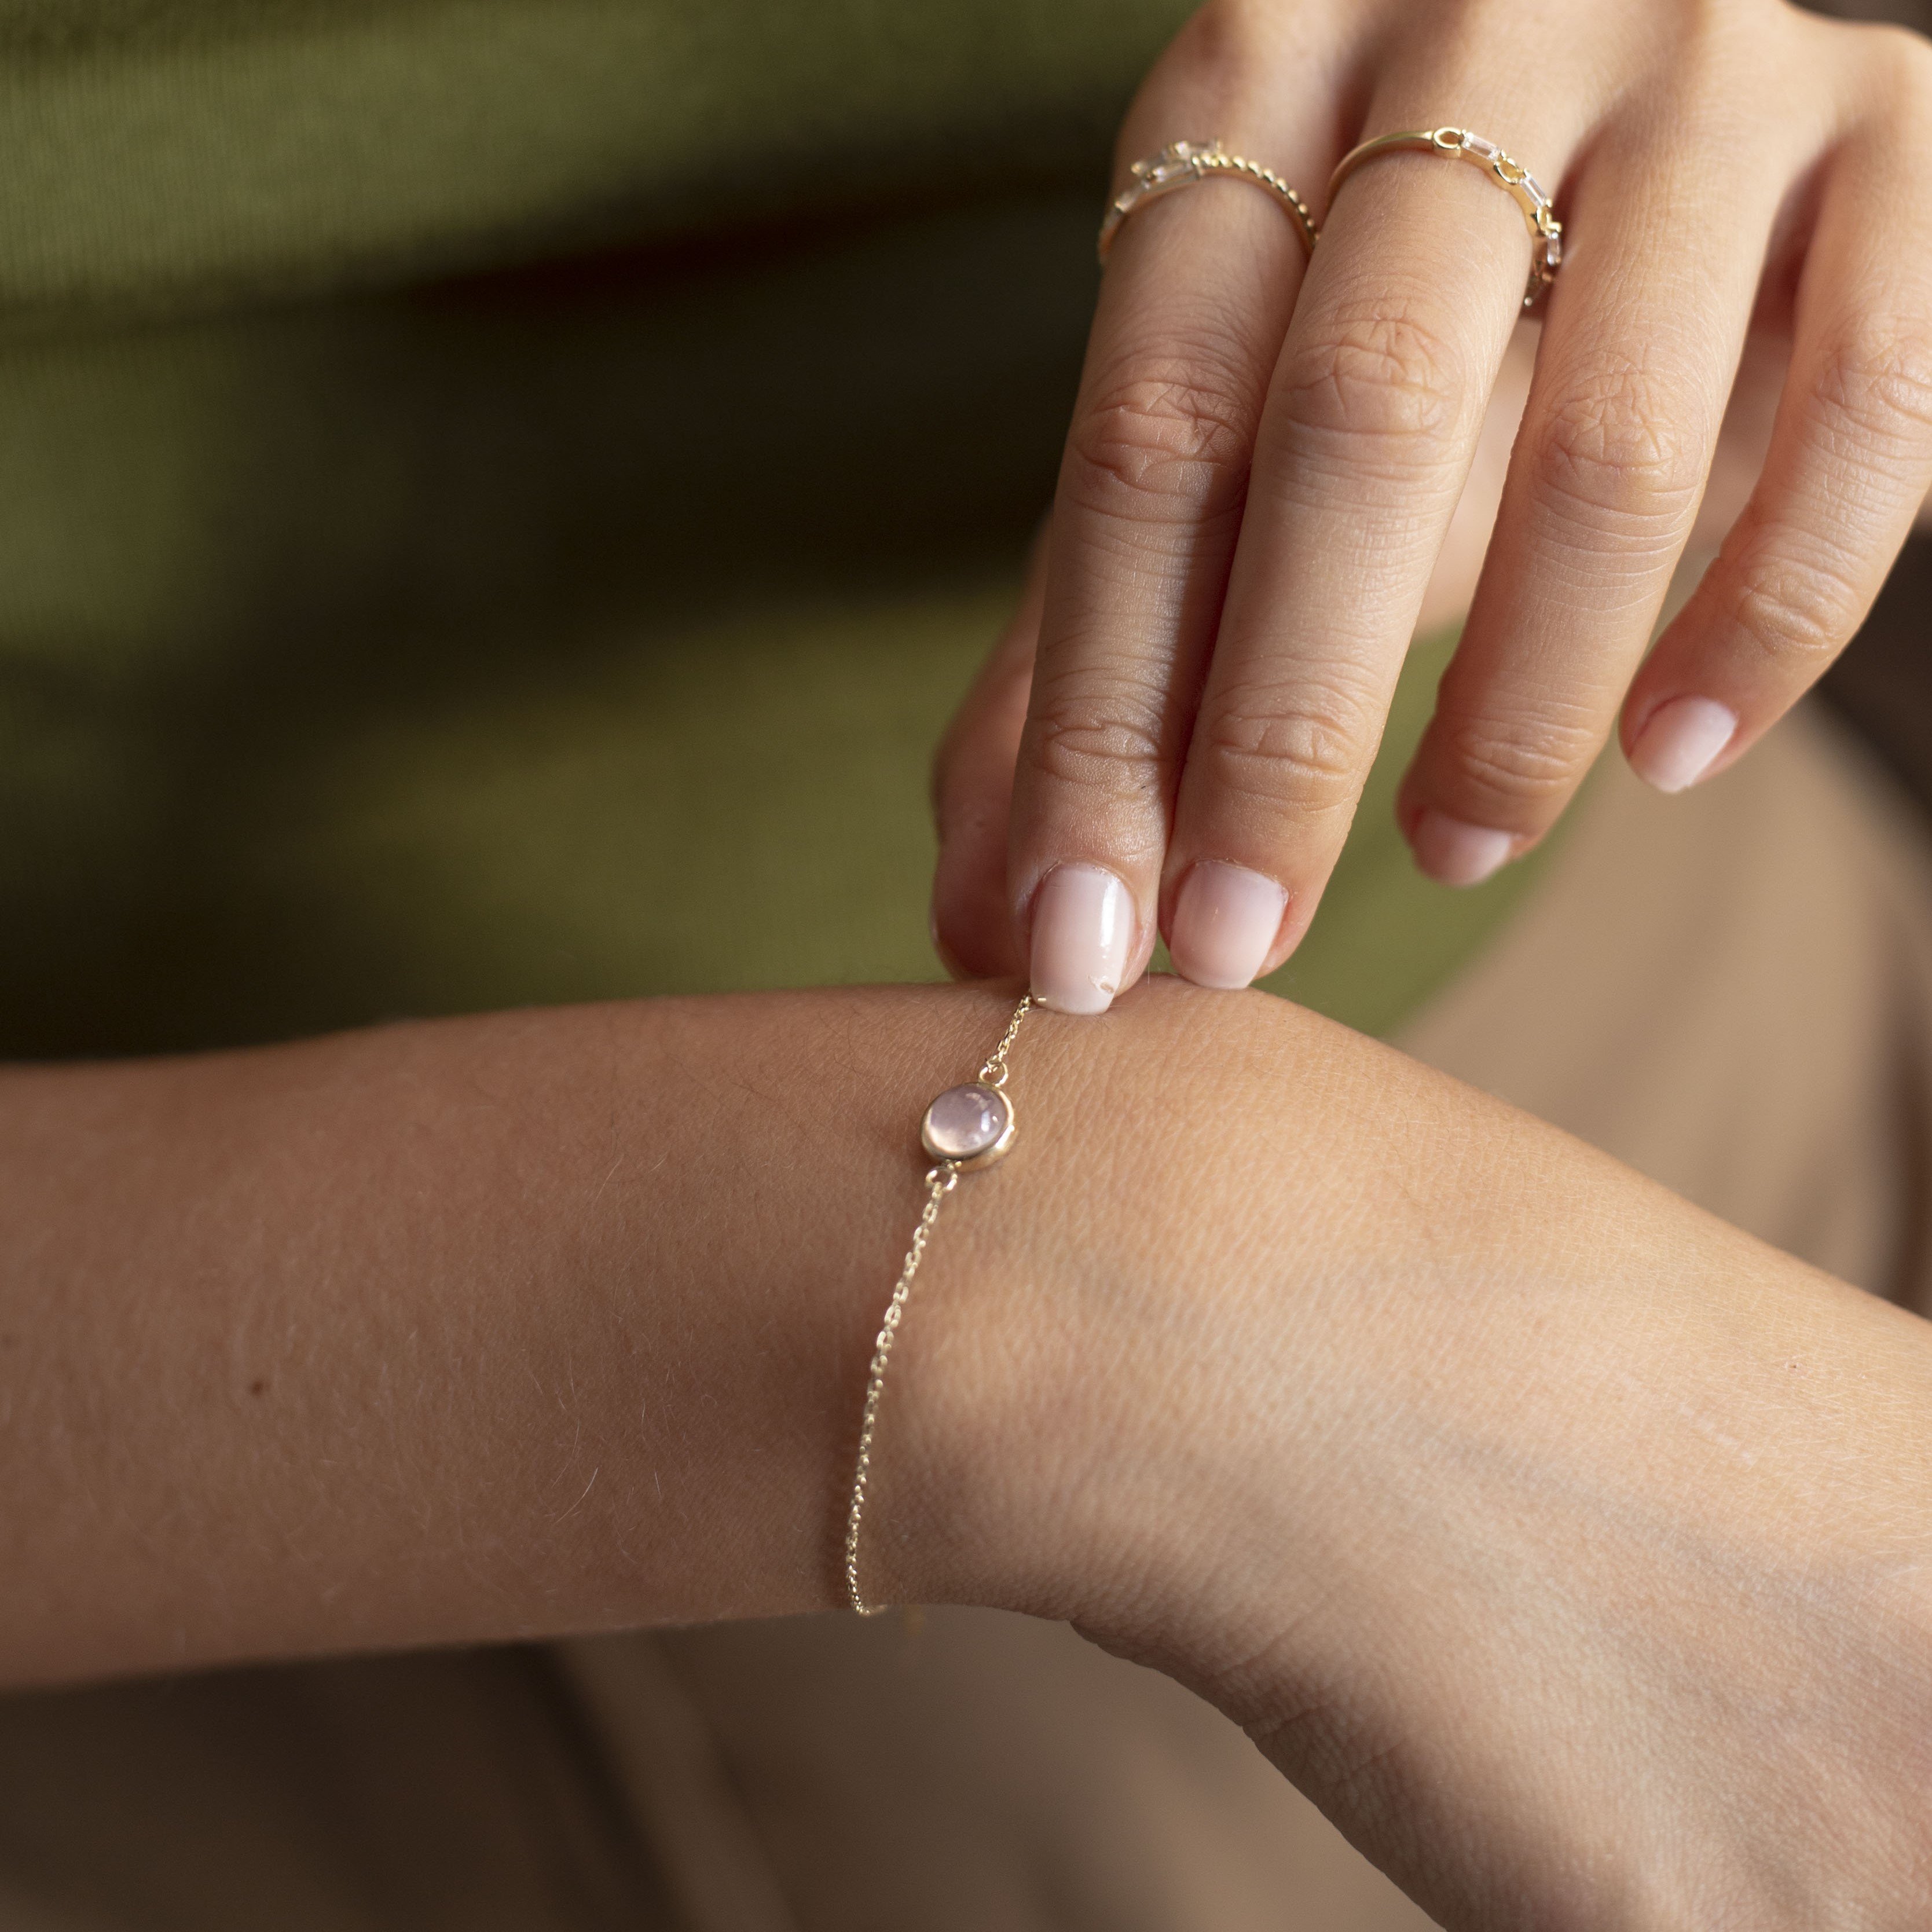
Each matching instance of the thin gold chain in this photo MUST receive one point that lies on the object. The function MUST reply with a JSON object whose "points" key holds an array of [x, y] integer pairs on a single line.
{"points": [[940, 1180], [993, 1073]]}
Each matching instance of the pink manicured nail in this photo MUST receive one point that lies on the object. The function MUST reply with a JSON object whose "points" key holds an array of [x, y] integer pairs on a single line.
{"points": [[1224, 923], [1453, 854], [1083, 930], [1681, 741]]}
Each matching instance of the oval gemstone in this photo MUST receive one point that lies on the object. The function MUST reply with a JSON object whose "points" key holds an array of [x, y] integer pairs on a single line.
{"points": [[965, 1122]]}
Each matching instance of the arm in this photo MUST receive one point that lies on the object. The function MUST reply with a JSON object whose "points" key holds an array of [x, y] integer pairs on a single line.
{"points": [[469, 1329], [1568, 1545], [1573, 1550]]}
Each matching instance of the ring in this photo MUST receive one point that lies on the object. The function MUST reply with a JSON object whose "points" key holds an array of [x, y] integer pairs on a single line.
{"points": [[1545, 232], [1180, 164]]}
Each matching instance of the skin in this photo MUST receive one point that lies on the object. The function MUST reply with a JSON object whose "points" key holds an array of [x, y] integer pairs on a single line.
{"points": [[1266, 459], [1570, 1548]]}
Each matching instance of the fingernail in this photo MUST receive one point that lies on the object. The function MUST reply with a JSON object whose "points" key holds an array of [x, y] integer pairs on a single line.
{"points": [[1083, 930], [1453, 854], [1224, 923], [1681, 741]]}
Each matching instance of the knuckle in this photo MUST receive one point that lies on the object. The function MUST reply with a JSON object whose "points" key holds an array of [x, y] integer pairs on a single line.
{"points": [[1108, 737], [1304, 747], [1528, 763], [1220, 39], [1900, 63], [1223, 52], [1914, 67], [1875, 392], [1711, 43], [1614, 458], [1387, 378], [1797, 612], [1166, 440]]}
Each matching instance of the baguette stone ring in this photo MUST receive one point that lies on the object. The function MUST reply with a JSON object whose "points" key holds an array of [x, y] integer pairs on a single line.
{"points": [[1545, 232], [1180, 164]]}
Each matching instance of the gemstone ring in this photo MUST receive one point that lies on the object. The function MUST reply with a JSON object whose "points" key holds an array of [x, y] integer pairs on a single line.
{"points": [[1545, 232], [1180, 164]]}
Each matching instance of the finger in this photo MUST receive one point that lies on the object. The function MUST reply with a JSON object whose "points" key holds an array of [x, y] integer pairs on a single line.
{"points": [[1196, 299], [1458, 564], [1643, 339], [1849, 463], [972, 797], [1371, 422]]}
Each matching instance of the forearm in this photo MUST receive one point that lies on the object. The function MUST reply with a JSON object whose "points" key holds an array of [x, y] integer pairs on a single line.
{"points": [[1249, 1244], [469, 1330], [1468, 1469]]}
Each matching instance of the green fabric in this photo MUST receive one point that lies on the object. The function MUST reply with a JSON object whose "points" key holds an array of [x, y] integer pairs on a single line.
{"points": [[566, 629], [173, 151], [1385, 937]]}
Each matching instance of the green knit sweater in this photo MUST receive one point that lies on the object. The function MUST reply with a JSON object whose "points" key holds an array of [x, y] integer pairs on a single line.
{"points": [[498, 497]]}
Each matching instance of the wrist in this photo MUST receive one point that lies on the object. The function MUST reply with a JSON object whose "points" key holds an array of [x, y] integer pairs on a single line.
{"points": [[1049, 1437], [1456, 1463]]}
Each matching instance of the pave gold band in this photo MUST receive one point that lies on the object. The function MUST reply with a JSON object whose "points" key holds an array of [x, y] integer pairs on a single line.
{"points": [[1545, 232], [968, 1127], [1180, 164]]}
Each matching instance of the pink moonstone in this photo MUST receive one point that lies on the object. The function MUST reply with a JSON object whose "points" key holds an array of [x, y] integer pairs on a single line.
{"points": [[964, 1121]]}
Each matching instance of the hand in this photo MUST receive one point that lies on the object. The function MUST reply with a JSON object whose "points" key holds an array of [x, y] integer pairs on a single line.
{"points": [[1569, 1548], [1261, 468]]}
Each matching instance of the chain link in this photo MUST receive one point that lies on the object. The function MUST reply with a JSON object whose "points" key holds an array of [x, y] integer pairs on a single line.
{"points": [[993, 1073], [940, 1181]]}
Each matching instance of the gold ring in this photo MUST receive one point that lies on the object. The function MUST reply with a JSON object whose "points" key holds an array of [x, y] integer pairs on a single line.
{"points": [[1180, 164], [1545, 232]]}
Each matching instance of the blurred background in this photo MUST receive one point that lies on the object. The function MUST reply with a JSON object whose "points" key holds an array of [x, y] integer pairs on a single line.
{"points": [[496, 503]]}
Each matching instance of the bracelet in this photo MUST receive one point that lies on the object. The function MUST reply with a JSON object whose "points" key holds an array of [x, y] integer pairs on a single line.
{"points": [[966, 1127]]}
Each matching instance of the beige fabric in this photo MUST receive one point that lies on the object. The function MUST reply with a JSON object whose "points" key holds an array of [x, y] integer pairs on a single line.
{"points": [[979, 1770], [1731, 990], [451, 1793]]}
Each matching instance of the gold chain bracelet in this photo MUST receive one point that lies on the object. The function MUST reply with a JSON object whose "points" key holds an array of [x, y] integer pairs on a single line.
{"points": [[966, 1127]]}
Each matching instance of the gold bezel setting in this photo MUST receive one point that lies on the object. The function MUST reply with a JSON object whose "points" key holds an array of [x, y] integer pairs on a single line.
{"points": [[986, 1157]]}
